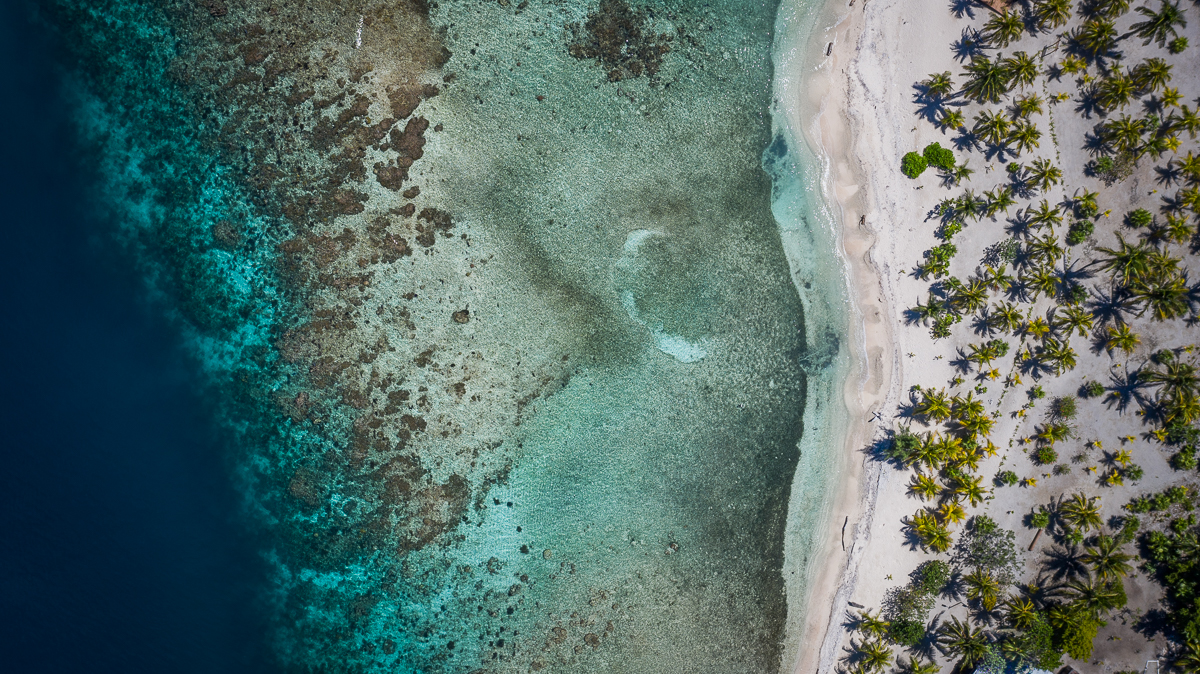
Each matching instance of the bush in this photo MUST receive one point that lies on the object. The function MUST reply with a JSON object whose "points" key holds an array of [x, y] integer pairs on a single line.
{"points": [[949, 229], [1037, 393], [1184, 459], [1063, 407], [1177, 45], [938, 156], [930, 577], [1104, 165], [1134, 472], [1079, 231], [1045, 456], [1039, 520], [1061, 469], [906, 632], [1007, 478], [1093, 389], [913, 165], [1139, 218], [903, 445]]}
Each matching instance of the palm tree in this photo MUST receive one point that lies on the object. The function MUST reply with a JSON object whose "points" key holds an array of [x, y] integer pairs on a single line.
{"points": [[1042, 280], [939, 85], [915, 666], [1028, 105], [958, 638], [1125, 132], [875, 656], [961, 172], [982, 587], [1021, 613], [987, 81], [1096, 37], [1045, 175], [1025, 136], [966, 407], [930, 453], [1151, 74], [1170, 97], [1075, 319], [1128, 263], [934, 405], [924, 486], [1178, 229], [971, 297], [971, 488], [1081, 512], [1189, 660], [1045, 249], [1085, 204], [1096, 597], [872, 625], [1189, 120], [1045, 215], [1177, 382], [1110, 9], [952, 119], [1005, 28], [996, 279], [1107, 560], [1021, 69], [1058, 354], [1052, 13], [952, 512], [1165, 295], [1005, 317], [998, 201], [1159, 25], [991, 126], [1122, 338], [1115, 91]]}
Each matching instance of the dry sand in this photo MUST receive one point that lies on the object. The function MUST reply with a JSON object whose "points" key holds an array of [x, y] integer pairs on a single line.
{"points": [[856, 106]]}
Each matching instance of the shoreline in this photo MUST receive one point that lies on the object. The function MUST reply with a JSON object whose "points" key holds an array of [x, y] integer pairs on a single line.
{"points": [[818, 113]]}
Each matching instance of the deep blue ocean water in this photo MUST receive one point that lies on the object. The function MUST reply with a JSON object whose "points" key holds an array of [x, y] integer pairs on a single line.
{"points": [[119, 545]]}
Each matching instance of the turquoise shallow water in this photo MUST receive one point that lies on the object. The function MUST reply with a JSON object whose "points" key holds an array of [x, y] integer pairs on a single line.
{"points": [[495, 304]]}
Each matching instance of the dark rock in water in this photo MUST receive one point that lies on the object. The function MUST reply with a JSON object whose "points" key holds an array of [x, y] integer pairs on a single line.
{"points": [[226, 236], [412, 192], [215, 8], [591, 640], [613, 36], [462, 316]]}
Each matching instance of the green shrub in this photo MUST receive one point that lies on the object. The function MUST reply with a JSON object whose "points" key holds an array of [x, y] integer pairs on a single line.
{"points": [[1037, 392], [1039, 520], [906, 632], [1177, 45], [949, 229], [1045, 456], [1105, 165], [1139, 218], [913, 165], [1007, 478], [1184, 459], [1079, 231], [1064, 407], [939, 157], [1093, 389], [903, 445], [930, 577], [1061, 469], [1134, 472]]}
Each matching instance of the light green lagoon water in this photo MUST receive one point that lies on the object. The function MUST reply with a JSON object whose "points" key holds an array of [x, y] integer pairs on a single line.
{"points": [[573, 410]]}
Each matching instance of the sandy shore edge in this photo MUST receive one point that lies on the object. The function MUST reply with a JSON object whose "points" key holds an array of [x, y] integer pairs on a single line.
{"points": [[820, 108]]}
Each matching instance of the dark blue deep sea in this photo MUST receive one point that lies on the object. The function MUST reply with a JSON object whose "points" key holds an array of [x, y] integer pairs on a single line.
{"points": [[119, 545]]}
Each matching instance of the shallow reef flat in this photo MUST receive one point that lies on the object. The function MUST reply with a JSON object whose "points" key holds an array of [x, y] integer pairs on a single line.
{"points": [[494, 308]]}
